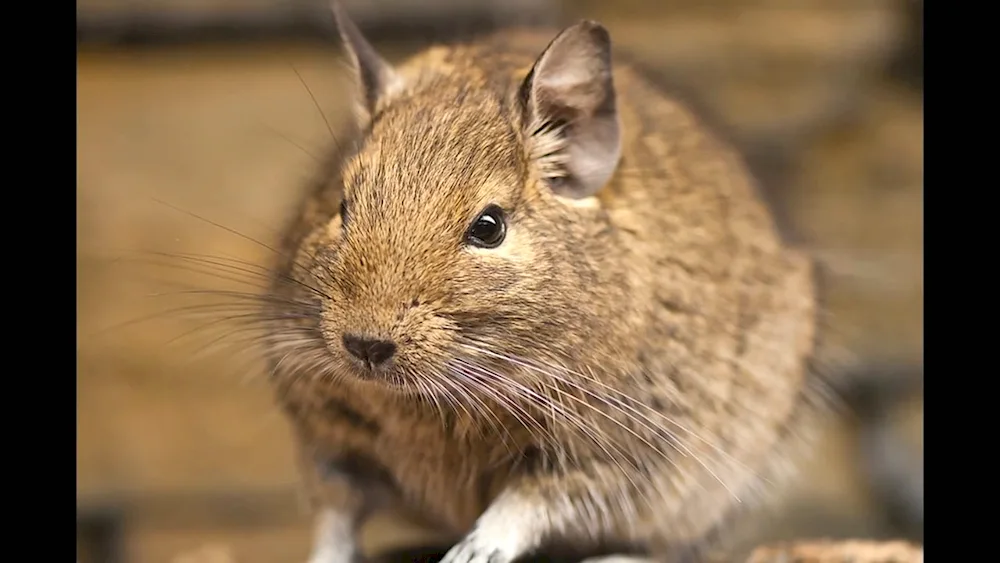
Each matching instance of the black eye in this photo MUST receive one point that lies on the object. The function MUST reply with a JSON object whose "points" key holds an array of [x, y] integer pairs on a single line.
{"points": [[488, 230], [343, 212]]}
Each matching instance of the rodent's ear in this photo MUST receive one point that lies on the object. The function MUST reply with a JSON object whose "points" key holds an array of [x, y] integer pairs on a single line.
{"points": [[570, 111], [375, 77]]}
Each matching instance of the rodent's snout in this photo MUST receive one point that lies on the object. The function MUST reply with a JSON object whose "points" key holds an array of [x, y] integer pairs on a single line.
{"points": [[396, 345], [371, 352]]}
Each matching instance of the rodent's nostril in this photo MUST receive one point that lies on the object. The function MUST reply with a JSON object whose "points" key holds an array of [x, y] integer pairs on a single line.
{"points": [[380, 351], [368, 350]]}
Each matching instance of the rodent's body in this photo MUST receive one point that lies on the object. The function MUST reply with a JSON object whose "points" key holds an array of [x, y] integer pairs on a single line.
{"points": [[441, 473], [662, 315]]}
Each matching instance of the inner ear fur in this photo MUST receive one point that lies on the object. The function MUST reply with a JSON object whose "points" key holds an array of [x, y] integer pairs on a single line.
{"points": [[571, 113]]}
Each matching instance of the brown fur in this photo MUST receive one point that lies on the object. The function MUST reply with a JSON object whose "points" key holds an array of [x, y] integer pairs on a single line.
{"points": [[666, 316]]}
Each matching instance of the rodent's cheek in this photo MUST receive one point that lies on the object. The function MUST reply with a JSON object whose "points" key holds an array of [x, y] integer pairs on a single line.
{"points": [[424, 338]]}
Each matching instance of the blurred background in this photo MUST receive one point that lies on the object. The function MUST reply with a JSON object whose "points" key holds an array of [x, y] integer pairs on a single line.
{"points": [[199, 112]]}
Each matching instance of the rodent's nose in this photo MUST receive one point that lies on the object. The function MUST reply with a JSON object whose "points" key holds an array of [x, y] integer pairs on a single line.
{"points": [[373, 352]]}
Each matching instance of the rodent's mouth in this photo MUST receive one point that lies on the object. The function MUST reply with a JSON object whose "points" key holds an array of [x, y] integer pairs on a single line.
{"points": [[390, 376], [369, 372]]}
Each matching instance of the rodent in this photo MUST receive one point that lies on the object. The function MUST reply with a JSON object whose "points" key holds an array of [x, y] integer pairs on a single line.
{"points": [[533, 300]]}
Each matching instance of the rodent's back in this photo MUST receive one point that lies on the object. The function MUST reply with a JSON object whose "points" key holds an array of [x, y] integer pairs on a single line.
{"points": [[732, 319], [725, 314]]}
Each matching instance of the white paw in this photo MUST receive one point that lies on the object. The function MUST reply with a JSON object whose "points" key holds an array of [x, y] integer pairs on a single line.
{"points": [[510, 528], [328, 555], [332, 556], [473, 549], [334, 542], [618, 559]]}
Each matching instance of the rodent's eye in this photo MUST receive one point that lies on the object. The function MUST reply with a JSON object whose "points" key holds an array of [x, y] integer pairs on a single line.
{"points": [[343, 212], [488, 230]]}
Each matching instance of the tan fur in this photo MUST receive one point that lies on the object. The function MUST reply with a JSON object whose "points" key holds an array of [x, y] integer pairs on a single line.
{"points": [[665, 315]]}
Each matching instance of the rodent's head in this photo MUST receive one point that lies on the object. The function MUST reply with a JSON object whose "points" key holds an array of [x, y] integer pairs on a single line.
{"points": [[469, 214]]}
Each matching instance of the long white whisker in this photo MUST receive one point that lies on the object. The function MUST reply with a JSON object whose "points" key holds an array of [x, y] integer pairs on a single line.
{"points": [[491, 418], [568, 416], [473, 372], [598, 397], [628, 406]]}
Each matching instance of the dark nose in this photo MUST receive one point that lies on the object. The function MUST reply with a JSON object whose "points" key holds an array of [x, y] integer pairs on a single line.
{"points": [[371, 351]]}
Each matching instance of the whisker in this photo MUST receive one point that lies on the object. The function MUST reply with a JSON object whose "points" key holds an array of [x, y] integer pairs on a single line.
{"points": [[685, 450], [496, 425], [660, 415], [598, 397], [598, 440], [242, 298], [504, 403], [312, 96], [427, 388], [522, 416], [223, 263], [240, 266], [231, 318], [292, 142], [231, 231], [257, 282]]}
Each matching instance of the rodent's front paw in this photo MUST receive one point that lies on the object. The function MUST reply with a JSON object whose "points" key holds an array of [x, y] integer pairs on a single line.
{"points": [[474, 549], [336, 556]]}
